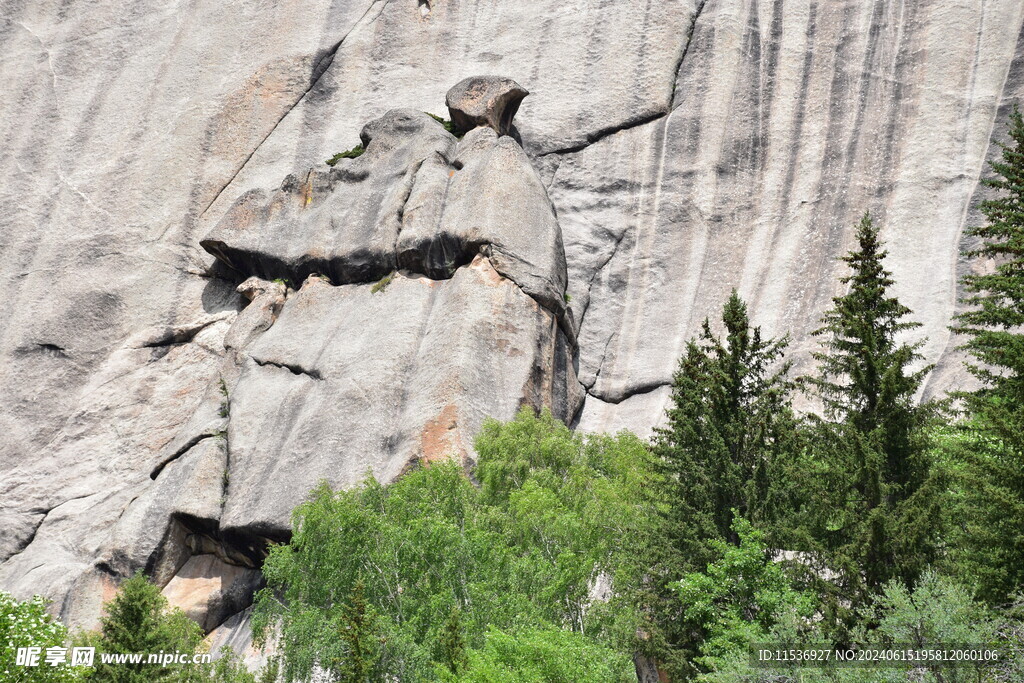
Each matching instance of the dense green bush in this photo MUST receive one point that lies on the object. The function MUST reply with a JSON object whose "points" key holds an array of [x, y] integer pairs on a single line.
{"points": [[27, 624], [139, 620], [556, 514], [549, 655]]}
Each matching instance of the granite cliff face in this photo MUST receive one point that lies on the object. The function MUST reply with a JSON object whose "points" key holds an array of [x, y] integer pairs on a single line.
{"points": [[203, 319]]}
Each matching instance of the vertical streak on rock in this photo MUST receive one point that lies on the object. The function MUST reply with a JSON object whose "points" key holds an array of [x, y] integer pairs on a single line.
{"points": [[684, 50]]}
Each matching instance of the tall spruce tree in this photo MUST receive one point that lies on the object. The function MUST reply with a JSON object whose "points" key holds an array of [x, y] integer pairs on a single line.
{"points": [[879, 498], [358, 634], [729, 428], [728, 420], [995, 330]]}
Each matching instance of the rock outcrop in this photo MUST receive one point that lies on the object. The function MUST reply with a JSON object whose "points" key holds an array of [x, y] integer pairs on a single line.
{"points": [[432, 296], [163, 405], [484, 101], [395, 301]]}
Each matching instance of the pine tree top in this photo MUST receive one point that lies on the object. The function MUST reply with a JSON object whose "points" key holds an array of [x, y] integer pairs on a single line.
{"points": [[862, 357], [999, 295]]}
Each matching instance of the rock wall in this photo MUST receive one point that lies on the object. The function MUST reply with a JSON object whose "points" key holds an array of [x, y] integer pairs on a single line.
{"points": [[156, 412]]}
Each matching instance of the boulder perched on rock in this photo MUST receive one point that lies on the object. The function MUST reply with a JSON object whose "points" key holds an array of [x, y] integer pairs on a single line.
{"points": [[484, 101]]}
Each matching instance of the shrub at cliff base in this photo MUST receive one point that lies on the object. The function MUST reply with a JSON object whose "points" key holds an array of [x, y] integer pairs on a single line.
{"points": [[436, 578]]}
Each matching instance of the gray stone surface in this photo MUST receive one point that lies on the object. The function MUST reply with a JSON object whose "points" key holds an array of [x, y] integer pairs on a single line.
{"points": [[484, 101], [132, 130], [414, 200], [789, 122], [362, 371], [489, 197], [341, 222], [422, 363], [210, 591]]}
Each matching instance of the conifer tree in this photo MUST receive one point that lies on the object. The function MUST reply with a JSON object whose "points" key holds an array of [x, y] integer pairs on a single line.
{"points": [[728, 421], [875, 518], [453, 643], [995, 330], [358, 634], [728, 437], [138, 620]]}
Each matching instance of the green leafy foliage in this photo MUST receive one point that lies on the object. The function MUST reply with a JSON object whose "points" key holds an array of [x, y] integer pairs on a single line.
{"points": [[739, 600], [728, 442], [27, 624], [359, 635], [353, 153], [225, 402], [138, 620], [938, 610], [383, 283], [548, 655], [452, 646], [227, 668], [441, 561]]}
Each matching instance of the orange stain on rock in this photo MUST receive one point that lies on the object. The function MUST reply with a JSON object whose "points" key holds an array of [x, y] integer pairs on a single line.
{"points": [[440, 437]]}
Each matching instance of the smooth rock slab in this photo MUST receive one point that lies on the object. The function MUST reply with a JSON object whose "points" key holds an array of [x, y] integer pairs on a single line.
{"points": [[790, 121], [351, 382]]}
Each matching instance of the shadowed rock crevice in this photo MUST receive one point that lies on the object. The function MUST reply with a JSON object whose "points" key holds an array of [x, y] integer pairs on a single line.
{"points": [[602, 133], [616, 397], [189, 445], [685, 51], [209, 574], [52, 350], [27, 541], [290, 367], [172, 336]]}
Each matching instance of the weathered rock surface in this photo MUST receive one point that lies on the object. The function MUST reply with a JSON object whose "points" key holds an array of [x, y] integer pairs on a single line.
{"points": [[422, 363], [210, 590], [789, 121], [490, 199], [365, 370], [342, 222], [484, 101], [687, 148], [415, 200]]}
